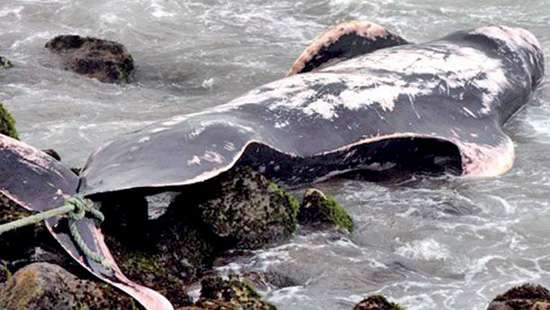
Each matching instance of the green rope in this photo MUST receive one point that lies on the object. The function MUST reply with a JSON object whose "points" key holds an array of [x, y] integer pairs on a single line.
{"points": [[76, 208]]}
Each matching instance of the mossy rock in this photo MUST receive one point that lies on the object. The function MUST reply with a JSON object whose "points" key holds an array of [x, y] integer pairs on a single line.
{"points": [[244, 209], [7, 123], [377, 302], [5, 63], [165, 254], [318, 209], [524, 297], [48, 286], [15, 244], [107, 61], [234, 293], [238, 209]]}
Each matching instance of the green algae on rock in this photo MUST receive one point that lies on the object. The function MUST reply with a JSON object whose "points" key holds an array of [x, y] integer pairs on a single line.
{"points": [[107, 61], [318, 209], [377, 302], [244, 209], [238, 209], [233, 293], [7, 123], [5, 63], [525, 297], [48, 286]]}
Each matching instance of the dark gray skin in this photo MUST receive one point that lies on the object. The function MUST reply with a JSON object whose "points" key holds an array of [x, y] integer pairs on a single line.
{"points": [[382, 103], [458, 90]]}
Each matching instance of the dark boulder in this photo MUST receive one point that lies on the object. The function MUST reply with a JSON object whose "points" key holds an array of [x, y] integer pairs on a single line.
{"points": [[53, 154], [377, 302], [244, 209], [320, 210], [218, 294], [4, 63], [48, 286], [524, 297], [104, 60]]}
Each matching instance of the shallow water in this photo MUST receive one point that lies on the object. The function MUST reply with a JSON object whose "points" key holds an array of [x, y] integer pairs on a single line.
{"points": [[429, 244]]}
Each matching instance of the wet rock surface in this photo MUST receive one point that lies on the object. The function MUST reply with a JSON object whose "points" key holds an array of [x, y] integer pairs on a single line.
{"points": [[524, 297], [376, 302], [244, 209], [48, 286], [320, 211], [107, 61], [233, 293], [5, 63], [31, 276], [7, 123], [239, 209]]}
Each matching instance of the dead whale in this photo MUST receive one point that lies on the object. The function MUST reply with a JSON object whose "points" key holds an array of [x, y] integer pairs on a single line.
{"points": [[359, 98]]}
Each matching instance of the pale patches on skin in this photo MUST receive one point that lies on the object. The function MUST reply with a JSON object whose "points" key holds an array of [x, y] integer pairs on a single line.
{"points": [[144, 139], [362, 91], [362, 28], [478, 160], [486, 160], [513, 37], [205, 124], [213, 157], [456, 66], [30, 155], [159, 129], [195, 161]]}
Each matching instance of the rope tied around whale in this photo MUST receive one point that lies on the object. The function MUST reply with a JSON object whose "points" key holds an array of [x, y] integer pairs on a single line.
{"points": [[76, 208]]}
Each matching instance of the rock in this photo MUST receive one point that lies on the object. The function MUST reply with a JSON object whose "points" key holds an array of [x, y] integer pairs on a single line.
{"points": [[5, 273], [244, 209], [238, 209], [220, 294], [104, 60], [377, 302], [165, 254], [28, 244], [48, 286], [53, 153], [4, 63], [7, 123], [525, 297], [317, 209]]}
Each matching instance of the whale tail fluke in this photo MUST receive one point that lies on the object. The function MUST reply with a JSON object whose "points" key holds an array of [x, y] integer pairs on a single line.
{"points": [[36, 181]]}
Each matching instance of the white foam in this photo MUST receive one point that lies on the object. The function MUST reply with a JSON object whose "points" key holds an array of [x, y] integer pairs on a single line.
{"points": [[427, 249]]}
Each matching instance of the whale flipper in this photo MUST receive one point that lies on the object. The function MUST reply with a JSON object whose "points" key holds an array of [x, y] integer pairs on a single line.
{"points": [[344, 41], [37, 182]]}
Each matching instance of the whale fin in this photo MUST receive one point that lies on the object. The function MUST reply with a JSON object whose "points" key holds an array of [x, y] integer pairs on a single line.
{"points": [[37, 182], [344, 41]]}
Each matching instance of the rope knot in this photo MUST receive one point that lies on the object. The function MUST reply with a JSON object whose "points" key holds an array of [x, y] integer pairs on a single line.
{"points": [[82, 208], [76, 208]]}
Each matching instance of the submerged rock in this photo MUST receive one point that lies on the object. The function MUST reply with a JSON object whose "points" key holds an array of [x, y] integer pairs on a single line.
{"points": [[7, 123], [525, 297], [53, 153], [244, 209], [377, 302], [48, 286], [318, 209], [4, 63], [104, 60], [217, 293]]}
